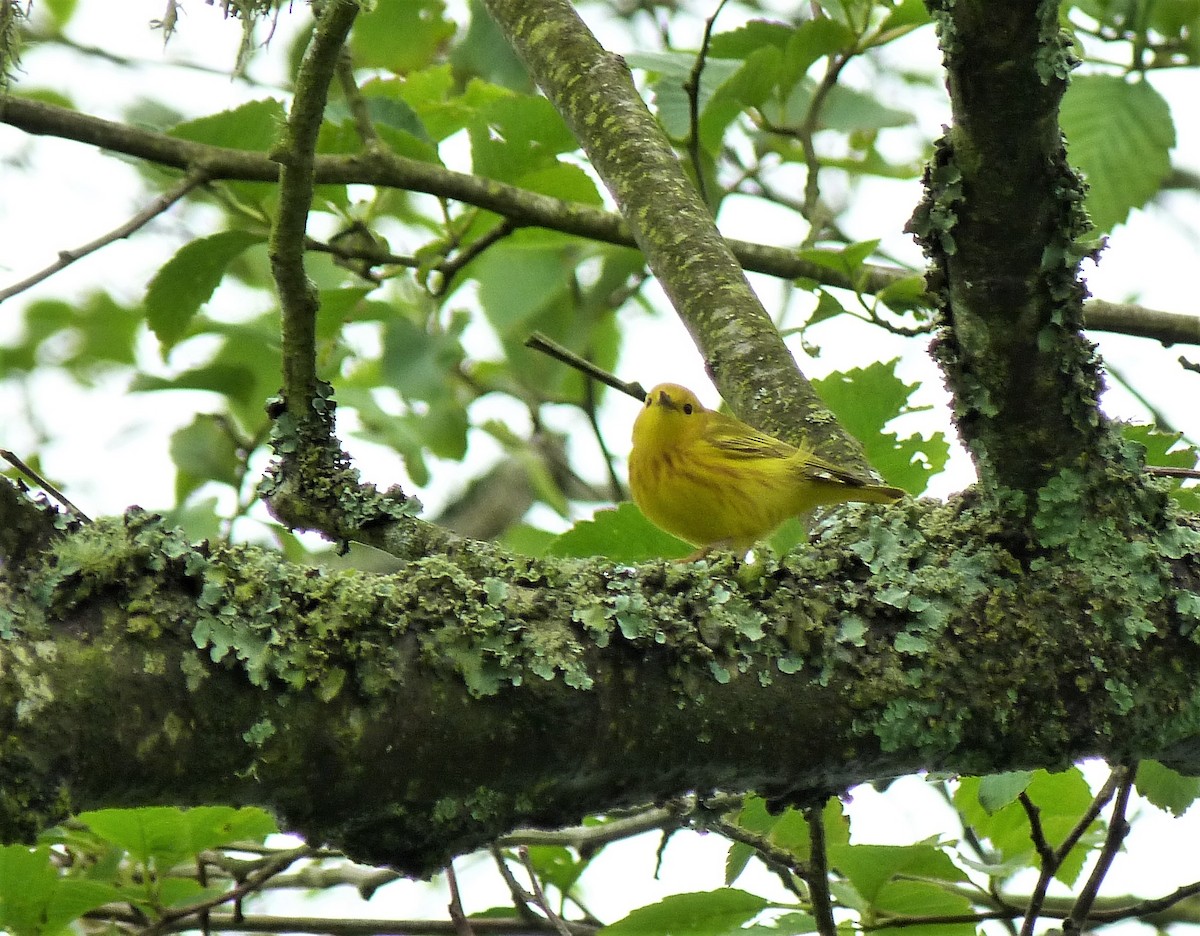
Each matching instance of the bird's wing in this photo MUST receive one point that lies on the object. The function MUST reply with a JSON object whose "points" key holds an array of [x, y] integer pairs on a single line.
{"points": [[737, 440]]}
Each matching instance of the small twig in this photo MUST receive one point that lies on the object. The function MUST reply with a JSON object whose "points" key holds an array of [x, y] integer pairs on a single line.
{"points": [[1118, 829], [1163, 471], [363, 124], [461, 925], [45, 485], [1057, 856], [539, 895], [779, 861], [539, 342], [1189, 365], [193, 179], [691, 88], [252, 883], [589, 407], [1036, 833], [818, 872], [449, 267], [521, 898]]}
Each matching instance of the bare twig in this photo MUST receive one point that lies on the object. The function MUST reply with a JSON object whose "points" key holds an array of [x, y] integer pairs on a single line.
{"points": [[1052, 861], [539, 342], [539, 895], [1118, 829], [15, 461], [691, 88], [194, 178], [818, 871], [462, 926]]}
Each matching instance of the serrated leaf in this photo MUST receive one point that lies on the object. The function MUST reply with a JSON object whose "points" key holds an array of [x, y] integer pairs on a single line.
{"points": [[864, 401], [712, 913], [1120, 134], [621, 534], [1166, 788], [188, 280]]}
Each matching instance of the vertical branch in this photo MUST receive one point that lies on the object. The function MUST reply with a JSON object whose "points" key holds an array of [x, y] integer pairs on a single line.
{"points": [[817, 875], [296, 154], [1003, 225]]}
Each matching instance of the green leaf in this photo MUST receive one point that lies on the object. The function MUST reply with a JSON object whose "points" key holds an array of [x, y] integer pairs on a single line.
{"points": [[870, 867], [188, 280], [252, 126], [1166, 788], [36, 900], [621, 534], [204, 451], [1120, 134], [484, 52], [1061, 800], [712, 913], [864, 401], [61, 10], [517, 134], [162, 836], [417, 360], [400, 35], [999, 790]]}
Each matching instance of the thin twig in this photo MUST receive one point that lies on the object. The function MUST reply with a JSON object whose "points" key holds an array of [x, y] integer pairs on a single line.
{"points": [[15, 461], [1038, 897], [449, 267], [691, 87], [1118, 829], [539, 895], [540, 342], [194, 178], [1163, 471], [461, 925], [818, 871], [253, 881], [363, 124]]}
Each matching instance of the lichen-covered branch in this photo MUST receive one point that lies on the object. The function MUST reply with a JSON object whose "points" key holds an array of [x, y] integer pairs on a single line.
{"points": [[411, 716], [1003, 225], [519, 206], [594, 92]]}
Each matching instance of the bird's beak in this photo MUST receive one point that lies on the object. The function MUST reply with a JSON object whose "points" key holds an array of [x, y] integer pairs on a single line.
{"points": [[665, 400]]}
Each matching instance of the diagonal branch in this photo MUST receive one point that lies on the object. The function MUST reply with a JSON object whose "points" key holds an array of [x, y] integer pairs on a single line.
{"points": [[195, 178], [594, 92]]}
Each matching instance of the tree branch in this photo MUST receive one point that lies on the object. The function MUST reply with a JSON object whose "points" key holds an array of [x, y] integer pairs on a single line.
{"points": [[521, 206], [263, 682]]}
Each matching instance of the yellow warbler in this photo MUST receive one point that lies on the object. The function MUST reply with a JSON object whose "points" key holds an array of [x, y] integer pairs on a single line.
{"points": [[714, 481]]}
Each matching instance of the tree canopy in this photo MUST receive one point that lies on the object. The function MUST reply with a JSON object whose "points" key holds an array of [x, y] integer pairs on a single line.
{"points": [[361, 250]]}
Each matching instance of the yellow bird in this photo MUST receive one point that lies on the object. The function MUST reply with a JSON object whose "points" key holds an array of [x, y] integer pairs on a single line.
{"points": [[718, 483]]}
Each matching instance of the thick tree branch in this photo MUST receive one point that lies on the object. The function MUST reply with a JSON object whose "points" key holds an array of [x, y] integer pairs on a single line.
{"points": [[520, 206], [742, 348], [1006, 281], [406, 718]]}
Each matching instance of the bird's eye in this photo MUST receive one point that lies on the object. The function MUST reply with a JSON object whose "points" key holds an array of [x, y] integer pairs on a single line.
{"points": [[649, 402], [687, 409]]}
